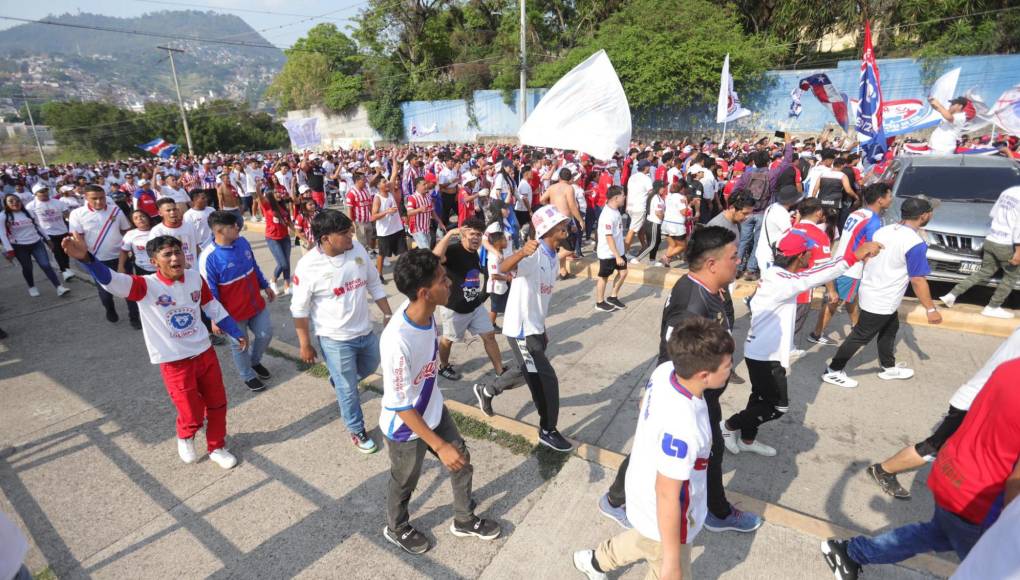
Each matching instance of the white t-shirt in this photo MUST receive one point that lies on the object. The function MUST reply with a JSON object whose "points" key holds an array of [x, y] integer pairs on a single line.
{"points": [[638, 187], [657, 204], [49, 215], [409, 366], [674, 438], [886, 276], [187, 234], [178, 195], [251, 180], [582, 204], [1006, 218], [610, 224], [528, 302], [492, 285], [334, 292], [1008, 350], [524, 195], [860, 227], [134, 242], [200, 219], [101, 229], [943, 138], [709, 183], [674, 219], [390, 224], [776, 223], [448, 177]]}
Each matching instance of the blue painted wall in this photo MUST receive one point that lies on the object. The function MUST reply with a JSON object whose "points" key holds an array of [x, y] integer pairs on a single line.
{"points": [[902, 78]]}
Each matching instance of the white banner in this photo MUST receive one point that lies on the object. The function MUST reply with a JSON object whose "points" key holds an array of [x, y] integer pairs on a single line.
{"points": [[304, 133], [1006, 111], [584, 111], [728, 108]]}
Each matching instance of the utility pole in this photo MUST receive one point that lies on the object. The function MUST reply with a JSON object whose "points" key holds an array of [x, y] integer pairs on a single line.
{"points": [[180, 102], [522, 98], [34, 132]]}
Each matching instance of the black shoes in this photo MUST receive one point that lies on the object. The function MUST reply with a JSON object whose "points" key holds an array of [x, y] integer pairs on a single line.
{"points": [[410, 540], [261, 371], [136, 323], [616, 302], [111, 316], [888, 482], [476, 528], [842, 566], [484, 399], [604, 306], [448, 372], [255, 384], [554, 440]]}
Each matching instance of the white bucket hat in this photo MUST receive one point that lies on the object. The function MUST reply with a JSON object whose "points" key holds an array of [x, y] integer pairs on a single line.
{"points": [[545, 219]]}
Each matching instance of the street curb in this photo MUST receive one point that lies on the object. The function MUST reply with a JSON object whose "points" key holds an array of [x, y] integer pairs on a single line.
{"points": [[775, 514]]}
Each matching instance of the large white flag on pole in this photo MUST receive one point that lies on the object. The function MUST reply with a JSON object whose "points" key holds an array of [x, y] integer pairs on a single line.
{"points": [[584, 111], [1005, 112], [728, 108]]}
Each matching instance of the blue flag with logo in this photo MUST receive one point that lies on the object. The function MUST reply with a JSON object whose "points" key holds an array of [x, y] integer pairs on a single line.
{"points": [[869, 111]]}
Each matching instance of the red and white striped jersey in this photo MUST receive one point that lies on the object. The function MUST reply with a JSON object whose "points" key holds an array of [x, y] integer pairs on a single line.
{"points": [[360, 202], [422, 221]]}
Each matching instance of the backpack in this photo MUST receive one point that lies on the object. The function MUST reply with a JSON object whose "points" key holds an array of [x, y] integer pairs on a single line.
{"points": [[758, 185]]}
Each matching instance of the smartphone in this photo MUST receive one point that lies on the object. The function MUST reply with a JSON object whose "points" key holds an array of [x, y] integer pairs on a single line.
{"points": [[781, 134]]}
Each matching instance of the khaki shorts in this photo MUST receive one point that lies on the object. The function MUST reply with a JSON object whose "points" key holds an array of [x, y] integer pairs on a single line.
{"points": [[637, 220], [365, 233], [456, 324]]}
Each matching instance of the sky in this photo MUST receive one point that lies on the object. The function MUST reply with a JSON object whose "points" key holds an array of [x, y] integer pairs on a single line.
{"points": [[291, 20]]}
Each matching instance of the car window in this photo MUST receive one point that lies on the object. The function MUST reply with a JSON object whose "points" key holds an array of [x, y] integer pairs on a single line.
{"points": [[958, 183]]}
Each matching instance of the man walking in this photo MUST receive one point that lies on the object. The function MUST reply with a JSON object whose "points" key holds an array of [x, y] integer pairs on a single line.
{"points": [[609, 249], [332, 284], [904, 260]]}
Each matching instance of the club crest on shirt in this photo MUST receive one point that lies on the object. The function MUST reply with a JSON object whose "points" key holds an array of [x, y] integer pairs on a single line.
{"points": [[673, 446], [196, 295], [359, 261], [181, 322], [165, 300], [427, 372]]}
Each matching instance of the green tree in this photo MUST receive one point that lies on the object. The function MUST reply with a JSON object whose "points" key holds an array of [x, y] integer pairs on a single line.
{"points": [[322, 68]]}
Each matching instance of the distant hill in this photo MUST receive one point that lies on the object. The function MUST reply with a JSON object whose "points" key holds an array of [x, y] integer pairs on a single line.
{"points": [[76, 63]]}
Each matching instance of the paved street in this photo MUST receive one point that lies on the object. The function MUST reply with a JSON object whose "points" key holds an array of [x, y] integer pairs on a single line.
{"points": [[89, 467]]}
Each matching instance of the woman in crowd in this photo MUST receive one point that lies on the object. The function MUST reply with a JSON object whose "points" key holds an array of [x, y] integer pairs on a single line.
{"points": [[276, 212], [22, 239]]}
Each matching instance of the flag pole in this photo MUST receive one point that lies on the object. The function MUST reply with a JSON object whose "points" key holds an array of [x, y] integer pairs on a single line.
{"points": [[722, 140]]}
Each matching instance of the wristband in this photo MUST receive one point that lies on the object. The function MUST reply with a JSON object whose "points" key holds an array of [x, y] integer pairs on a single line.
{"points": [[932, 309]]}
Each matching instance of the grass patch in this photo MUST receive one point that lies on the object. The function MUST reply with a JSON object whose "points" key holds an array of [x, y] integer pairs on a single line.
{"points": [[45, 574]]}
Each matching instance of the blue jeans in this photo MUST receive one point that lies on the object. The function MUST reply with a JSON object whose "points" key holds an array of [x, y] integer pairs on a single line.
{"points": [[946, 531], [262, 327], [25, 252], [750, 230], [350, 361], [280, 249]]}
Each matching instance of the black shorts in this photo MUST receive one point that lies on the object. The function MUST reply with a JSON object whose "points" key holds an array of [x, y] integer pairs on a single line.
{"points": [[497, 302], [950, 423], [391, 245], [608, 265]]}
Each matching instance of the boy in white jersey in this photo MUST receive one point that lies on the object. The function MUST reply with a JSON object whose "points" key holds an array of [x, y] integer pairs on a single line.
{"points": [[609, 251], [414, 418], [666, 479]]}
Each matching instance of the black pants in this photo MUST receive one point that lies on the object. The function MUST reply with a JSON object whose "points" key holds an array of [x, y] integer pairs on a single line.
{"points": [[768, 401], [538, 373], [656, 240], [885, 326], [63, 262], [449, 207], [718, 505], [107, 299]]}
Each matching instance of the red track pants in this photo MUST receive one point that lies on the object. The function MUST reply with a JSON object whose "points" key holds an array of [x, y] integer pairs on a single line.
{"points": [[195, 386]]}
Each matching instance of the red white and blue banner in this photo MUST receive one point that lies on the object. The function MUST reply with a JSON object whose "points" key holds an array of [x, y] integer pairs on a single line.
{"points": [[159, 147], [869, 110], [827, 94]]}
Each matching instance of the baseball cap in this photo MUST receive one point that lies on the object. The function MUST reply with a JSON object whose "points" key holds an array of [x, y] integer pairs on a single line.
{"points": [[794, 243], [39, 186], [143, 182], [642, 164], [914, 207], [545, 219], [303, 188]]}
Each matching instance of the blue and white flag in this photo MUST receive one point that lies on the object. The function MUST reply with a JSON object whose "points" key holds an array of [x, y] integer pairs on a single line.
{"points": [[159, 147], [869, 111]]}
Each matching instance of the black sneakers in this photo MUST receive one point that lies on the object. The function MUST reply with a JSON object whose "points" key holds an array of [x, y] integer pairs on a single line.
{"points": [[136, 323], [410, 540], [261, 371], [111, 316], [484, 399], [477, 528], [255, 385], [604, 306], [842, 566], [888, 482], [616, 302], [553, 439], [448, 372]]}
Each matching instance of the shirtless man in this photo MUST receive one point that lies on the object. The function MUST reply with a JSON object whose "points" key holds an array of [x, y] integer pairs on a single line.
{"points": [[561, 195]]}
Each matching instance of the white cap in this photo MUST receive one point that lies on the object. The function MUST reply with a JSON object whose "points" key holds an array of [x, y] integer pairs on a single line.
{"points": [[143, 182], [39, 186], [468, 178], [545, 219], [484, 192], [374, 164], [303, 188], [205, 161], [66, 188]]}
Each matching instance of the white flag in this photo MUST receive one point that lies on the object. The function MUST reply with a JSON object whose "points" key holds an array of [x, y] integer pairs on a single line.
{"points": [[584, 111], [304, 133], [1006, 111], [945, 87], [728, 108]]}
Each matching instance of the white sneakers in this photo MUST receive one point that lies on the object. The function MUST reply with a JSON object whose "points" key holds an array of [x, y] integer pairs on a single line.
{"points": [[33, 292], [997, 312], [898, 372], [272, 286], [729, 438], [186, 449], [68, 274], [948, 300], [734, 444], [582, 561], [221, 457], [839, 379], [61, 290]]}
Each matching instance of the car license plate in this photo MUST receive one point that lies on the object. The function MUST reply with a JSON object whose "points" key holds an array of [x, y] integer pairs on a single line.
{"points": [[969, 267]]}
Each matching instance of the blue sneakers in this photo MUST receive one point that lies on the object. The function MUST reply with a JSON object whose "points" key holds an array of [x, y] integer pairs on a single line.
{"points": [[737, 521], [617, 514]]}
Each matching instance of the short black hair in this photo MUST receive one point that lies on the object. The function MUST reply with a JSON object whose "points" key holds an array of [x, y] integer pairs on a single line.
{"points": [[495, 237], [165, 201], [329, 221], [741, 200], [93, 188], [565, 174], [414, 270], [195, 193], [876, 191], [613, 191], [705, 241], [760, 158], [222, 218], [698, 344], [474, 223], [828, 154], [809, 206], [154, 245]]}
